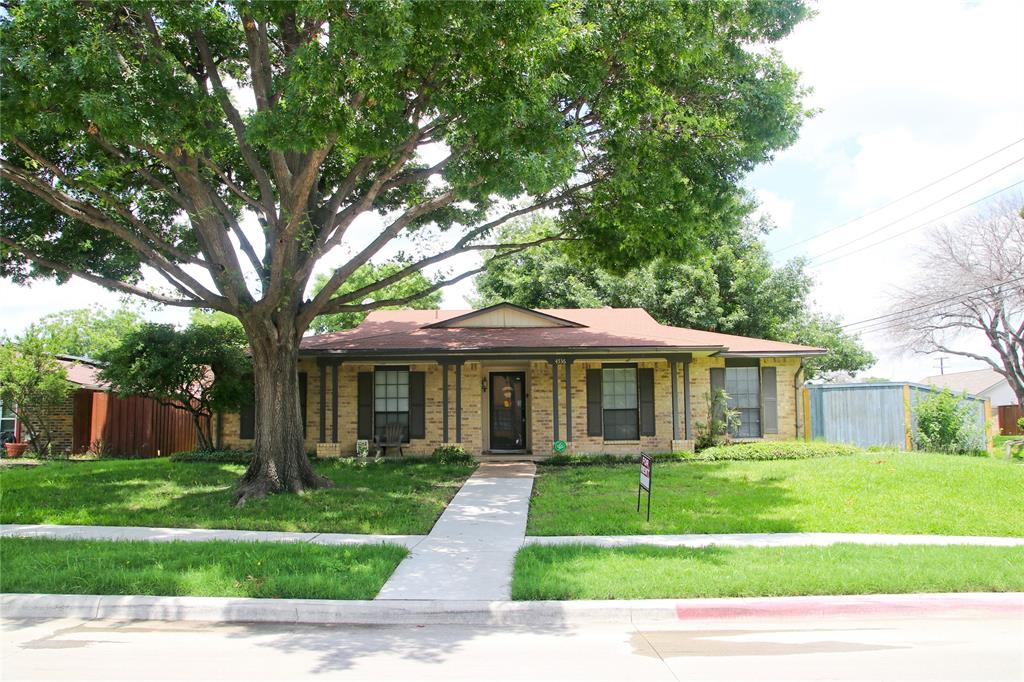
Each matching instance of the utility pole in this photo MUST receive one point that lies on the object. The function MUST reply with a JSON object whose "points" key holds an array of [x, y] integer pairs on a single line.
{"points": [[942, 363]]}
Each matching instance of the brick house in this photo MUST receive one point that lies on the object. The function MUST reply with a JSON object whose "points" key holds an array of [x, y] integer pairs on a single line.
{"points": [[506, 379]]}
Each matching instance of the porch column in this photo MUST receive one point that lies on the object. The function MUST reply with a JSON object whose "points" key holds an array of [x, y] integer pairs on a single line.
{"points": [[334, 400], [554, 397], [568, 400], [322, 362], [458, 401], [686, 399], [444, 402], [673, 368]]}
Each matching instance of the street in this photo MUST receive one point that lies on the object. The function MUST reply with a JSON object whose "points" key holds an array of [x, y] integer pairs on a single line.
{"points": [[962, 646]]}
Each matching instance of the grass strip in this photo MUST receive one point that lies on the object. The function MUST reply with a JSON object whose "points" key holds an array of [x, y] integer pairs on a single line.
{"points": [[404, 497], [196, 569], [646, 572], [875, 492]]}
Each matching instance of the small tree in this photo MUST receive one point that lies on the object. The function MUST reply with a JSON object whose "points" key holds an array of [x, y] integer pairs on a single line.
{"points": [[945, 423], [720, 423], [32, 382], [200, 369]]}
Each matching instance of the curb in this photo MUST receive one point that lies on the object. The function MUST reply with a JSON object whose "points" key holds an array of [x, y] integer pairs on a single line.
{"points": [[491, 613]]}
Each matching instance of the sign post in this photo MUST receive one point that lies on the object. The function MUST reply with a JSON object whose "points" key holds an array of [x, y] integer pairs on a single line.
{"points": [[645, 482]]}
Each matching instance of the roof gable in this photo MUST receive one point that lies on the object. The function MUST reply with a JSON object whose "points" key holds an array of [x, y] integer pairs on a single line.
{"points": [[503, 316]]}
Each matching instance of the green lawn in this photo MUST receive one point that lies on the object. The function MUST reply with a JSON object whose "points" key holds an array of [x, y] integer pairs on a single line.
{"points": [[877, 492], [382, 497], [198, 569], [644, 572]]}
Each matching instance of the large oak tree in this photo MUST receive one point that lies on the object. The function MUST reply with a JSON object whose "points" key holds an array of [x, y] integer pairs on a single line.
{"points": [[228, 147]]}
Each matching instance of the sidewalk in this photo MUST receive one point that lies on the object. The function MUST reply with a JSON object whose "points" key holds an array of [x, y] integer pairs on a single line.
{"points": [[696, 540], [470, 550], [142, 533]]}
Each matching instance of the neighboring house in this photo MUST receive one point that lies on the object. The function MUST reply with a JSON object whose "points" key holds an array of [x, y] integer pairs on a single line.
{"points": [[93, 418], [984, 383], [506, 379]]}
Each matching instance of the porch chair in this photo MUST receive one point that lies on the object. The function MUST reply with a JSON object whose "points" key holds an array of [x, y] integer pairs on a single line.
{"points": [[392, 438]]}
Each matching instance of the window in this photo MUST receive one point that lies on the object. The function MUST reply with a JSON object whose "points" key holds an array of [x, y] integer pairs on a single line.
{"points": [[391, 400], [619, 401], [7, 423], [744, 388]]}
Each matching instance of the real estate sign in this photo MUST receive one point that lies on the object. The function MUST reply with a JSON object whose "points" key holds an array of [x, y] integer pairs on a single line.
{"points": [[645, 482]]}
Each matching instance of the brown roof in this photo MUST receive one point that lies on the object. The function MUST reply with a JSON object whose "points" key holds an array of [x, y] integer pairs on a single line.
{"points": [[973, 382], [392, 332], [82, 372]]}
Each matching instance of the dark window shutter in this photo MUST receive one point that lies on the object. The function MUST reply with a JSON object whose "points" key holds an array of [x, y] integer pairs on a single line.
{"points": [[645, 386], [717, 384], [364, 399], [594, 412], [247, 413], [417, 405], [303, 385], [769, 401]]}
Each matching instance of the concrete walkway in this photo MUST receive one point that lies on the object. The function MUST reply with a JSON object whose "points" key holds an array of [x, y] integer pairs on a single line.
{"points": [[469, 552], [15, 530]]}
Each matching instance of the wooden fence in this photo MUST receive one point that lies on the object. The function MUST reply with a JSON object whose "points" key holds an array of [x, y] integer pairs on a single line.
{"points": [[130, 427], [1008, 416]]}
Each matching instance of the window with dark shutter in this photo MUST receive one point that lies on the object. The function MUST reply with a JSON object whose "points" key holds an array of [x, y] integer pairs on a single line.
{"points": [[303, 386], [620, 402], [645, 385], [391, 400], [247, 412], [364, 401], [769, 400], [417, 405], [743, 384], [594, 415]]}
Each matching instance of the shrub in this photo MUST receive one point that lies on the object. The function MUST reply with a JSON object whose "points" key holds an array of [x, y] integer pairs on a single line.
{"points": [[776, 450], [946, 423], [213, 456], [452, 454], [720, 423], [606, 460]]}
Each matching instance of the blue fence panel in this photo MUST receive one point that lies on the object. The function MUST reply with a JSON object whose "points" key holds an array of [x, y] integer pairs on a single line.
{"points": [[873, 414]]}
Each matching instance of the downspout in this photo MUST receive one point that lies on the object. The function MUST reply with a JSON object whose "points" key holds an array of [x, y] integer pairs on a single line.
{"points": [[798, 398]]}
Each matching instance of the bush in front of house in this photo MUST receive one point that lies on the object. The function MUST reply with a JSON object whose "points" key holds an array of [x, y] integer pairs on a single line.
{"points": [[768, 450], [946, 423], [213, 457], [567, 459], [452, 454]]}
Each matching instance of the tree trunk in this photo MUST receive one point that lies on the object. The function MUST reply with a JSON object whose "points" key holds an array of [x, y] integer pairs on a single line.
{"points": [[203, 442], [279, 460]]}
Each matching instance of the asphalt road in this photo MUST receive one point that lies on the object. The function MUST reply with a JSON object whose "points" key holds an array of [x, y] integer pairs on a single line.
{"points": [[982, 646]]}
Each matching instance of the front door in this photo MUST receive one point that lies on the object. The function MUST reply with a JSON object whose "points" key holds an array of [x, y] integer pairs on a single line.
{"points": [[508, 410]]}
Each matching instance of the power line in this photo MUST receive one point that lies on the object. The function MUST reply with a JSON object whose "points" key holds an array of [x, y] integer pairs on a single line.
{"points": [[916, 314], [899, 199], [933, 303], [920, 210], [916, 227]]}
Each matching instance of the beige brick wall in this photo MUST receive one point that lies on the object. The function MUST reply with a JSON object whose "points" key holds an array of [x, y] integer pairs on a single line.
{"points": [[785, 374], [539, 406], [348, 408]]}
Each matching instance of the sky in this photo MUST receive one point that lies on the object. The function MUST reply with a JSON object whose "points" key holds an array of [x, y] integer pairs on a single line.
{"points": [[907, 92]]}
